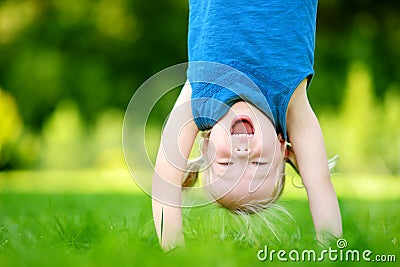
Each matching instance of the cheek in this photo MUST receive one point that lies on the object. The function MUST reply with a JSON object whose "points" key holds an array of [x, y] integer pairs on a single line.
{"points": [[219, 130], [271, 148], [279, 152], [219, 142]]}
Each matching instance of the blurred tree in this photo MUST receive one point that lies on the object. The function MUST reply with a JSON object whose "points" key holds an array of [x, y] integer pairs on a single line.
{"points": [[10, 126], [350, 31], [97, 52], [64, 139]]}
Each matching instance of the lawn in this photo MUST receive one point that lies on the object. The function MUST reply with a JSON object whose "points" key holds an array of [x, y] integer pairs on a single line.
{"points": [[92, 218]]}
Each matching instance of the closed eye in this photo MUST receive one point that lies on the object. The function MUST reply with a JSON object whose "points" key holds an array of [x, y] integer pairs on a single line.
{"points": [[224, 163], [259, 163]]}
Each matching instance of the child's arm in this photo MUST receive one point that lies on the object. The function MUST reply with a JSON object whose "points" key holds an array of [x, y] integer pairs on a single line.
{"points": [[176, 143], [306, 137]]}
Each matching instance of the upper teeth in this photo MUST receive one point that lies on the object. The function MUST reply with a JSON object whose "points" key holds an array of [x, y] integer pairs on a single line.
{"points": [[243, 135]]}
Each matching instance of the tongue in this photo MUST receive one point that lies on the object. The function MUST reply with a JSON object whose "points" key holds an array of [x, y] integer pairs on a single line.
{"points": [[242, 127]]}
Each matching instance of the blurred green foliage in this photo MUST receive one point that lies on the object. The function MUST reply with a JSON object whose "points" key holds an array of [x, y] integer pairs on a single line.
{"points": [[364, 131], [69, 68], [10, 124]]}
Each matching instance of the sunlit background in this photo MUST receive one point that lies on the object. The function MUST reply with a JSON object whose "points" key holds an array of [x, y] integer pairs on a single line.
{"points": [[69, 68]]}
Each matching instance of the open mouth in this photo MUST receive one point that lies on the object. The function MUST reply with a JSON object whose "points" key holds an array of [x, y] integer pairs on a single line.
{"points": [[242, 126]]}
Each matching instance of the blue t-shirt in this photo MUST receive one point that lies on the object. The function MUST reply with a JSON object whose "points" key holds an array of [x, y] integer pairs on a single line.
{"points": [[268, 43]]}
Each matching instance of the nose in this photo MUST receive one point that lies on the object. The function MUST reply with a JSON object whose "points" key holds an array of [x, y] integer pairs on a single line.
{"points": [[241, 150]]}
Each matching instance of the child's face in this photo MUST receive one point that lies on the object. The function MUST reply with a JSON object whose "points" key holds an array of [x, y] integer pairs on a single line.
{"points": [[246, 156]]}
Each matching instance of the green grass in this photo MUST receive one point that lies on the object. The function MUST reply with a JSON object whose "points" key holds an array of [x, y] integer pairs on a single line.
{"points": [[55, 228]]}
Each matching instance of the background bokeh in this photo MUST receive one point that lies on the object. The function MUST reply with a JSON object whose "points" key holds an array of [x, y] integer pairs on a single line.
{"points": [[69, 68]]}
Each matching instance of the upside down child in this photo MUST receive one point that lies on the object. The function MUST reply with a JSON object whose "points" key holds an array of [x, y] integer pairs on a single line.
{"points": [[250, 66]]}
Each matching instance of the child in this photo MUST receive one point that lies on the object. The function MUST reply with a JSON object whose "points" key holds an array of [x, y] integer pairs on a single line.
{"points": [[250, 65]]}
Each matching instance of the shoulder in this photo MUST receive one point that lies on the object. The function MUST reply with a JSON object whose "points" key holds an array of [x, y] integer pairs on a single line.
{"points": [[299, 107], [300, 117]]}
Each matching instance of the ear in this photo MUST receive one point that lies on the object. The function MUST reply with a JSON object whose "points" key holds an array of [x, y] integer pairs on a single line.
{"points": [[282, 141], [291, 158], [190, 179]]}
